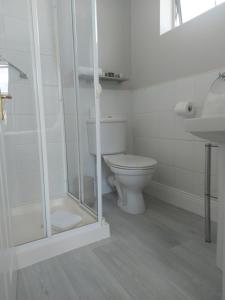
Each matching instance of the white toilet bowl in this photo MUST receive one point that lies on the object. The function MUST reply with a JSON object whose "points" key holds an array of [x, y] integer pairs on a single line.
{"points": [[131, 175]]}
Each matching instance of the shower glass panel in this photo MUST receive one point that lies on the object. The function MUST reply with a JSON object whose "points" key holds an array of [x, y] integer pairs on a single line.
{"points": [[64, 36], [76, 32], [53, 108], [71, 185], [7, 250], [86, 66], [20, 126], [51, 177]]}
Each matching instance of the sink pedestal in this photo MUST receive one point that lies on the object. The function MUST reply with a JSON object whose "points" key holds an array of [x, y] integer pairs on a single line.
{"points": [[221, 207], [213, 129]]}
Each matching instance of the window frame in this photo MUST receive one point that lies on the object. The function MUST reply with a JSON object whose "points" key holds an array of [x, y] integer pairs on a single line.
{"points": [[177, 13]]}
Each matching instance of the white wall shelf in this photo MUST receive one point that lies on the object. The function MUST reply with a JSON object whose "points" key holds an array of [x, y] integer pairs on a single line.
{"points": [[115, 79], [103, 78]]}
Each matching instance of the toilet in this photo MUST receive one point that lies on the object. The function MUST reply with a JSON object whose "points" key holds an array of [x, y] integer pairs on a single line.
{"points": [[131, 173]]}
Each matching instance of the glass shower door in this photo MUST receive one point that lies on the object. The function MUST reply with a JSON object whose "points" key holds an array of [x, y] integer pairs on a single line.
{"points": [[7, 253], [20, 125], [77, 32], [87, 70]]}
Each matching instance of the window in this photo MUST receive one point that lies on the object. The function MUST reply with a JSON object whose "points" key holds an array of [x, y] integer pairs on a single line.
{"points": [[174, 13], [4, 77], [186, 10]]}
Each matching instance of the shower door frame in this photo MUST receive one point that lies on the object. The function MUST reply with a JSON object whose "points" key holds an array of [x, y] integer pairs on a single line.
{"points": [[97, 104], [39, 99], [8, 272], [52, 245], [97, 88]]}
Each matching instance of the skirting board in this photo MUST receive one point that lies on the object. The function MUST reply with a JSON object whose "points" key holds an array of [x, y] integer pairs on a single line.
{"points": [[41, 250], [181, 199]]}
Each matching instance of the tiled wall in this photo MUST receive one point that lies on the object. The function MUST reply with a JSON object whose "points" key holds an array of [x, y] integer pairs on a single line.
{"points": [[21, 138], [118, 104], [159, 132], [21, 142]]}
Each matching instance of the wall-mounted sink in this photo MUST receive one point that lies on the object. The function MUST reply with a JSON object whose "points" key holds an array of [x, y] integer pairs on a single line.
{"points": [[208, 128], [211, 126], [213, 129]]}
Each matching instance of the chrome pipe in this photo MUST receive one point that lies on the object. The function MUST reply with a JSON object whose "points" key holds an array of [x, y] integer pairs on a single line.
{"points": [[208, 159], [21, 73], [179, 11]]}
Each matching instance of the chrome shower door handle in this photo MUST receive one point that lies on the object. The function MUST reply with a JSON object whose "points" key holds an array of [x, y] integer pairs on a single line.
{"points": [[3, 97]]}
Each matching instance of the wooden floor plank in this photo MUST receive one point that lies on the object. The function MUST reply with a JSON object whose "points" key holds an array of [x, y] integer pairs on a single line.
{"points": [[158, 255]]}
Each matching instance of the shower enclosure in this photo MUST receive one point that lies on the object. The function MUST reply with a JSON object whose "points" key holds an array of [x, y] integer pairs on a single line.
{"points": [[45, 47]]}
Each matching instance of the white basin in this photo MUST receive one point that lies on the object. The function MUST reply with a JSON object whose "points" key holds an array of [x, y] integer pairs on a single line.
{"points": [[209, 128]]}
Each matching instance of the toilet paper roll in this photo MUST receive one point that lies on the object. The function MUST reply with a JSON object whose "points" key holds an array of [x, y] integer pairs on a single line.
{"points": [[184, 109]]}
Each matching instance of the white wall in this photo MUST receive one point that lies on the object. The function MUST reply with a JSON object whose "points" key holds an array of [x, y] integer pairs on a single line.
{"points": [[177, 66], [195, 47], [114, 28]]}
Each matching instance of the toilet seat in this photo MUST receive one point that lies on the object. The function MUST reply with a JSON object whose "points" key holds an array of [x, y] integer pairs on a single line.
{"points": [[131, 172], [130, 162]]}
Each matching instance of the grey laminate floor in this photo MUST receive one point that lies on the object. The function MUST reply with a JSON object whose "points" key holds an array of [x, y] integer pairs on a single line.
{"points": [[159, 255]]}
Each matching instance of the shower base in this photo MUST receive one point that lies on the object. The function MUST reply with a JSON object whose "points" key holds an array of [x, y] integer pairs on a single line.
{"points": [[28, 232], [28, 224]]}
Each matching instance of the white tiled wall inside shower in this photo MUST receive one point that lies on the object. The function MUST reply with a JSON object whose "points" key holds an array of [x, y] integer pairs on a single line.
{"points": [[23, 162]]}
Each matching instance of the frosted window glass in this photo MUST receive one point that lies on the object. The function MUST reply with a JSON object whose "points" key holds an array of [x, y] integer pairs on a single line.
{"points": [[192, 8], [219, 2], [4, 78], [174, 13]]}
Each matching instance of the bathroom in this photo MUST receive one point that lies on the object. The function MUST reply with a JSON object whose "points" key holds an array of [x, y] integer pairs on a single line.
{"points": [[111, 149]]}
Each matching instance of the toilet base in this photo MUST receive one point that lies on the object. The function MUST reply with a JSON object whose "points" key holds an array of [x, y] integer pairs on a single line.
{"points": [[132, 202]]}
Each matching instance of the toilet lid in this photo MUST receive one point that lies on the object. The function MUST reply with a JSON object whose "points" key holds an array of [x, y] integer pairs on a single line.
{"points": [[127, 161]]}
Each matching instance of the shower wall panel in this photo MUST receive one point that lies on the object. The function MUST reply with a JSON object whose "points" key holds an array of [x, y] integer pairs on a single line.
{"points": [[65, 35], [20, 128], [52, 99], [22, 154]]}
